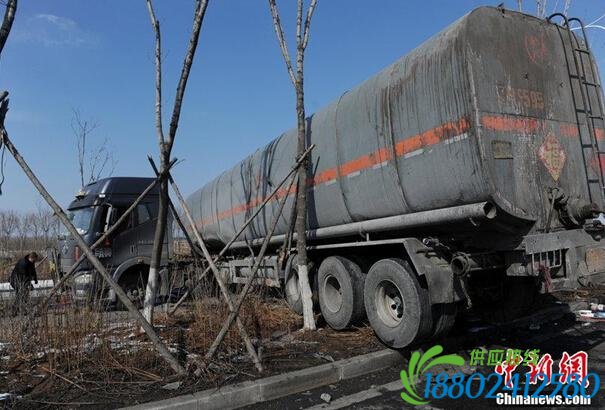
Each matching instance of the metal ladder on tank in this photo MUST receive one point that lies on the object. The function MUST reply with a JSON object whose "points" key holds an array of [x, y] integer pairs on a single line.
{"points": [[587, 109]]}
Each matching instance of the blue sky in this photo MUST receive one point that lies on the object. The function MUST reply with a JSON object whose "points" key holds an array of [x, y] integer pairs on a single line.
{"points": [[97, 56]]}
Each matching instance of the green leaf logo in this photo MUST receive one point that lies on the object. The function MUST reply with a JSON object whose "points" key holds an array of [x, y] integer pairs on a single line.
{"points": [[420, 364]]}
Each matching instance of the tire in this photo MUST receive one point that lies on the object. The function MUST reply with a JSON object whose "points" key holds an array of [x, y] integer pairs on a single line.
{"points": [[341, 292], [134, 285], [444, 316], [398, 308], [292, 289]]}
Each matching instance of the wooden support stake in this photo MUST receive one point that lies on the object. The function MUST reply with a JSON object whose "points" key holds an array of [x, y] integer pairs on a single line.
{"points": [[159, 345], [174, 212], [244, 226], [99, 241], [248, 285], [217, 275]]}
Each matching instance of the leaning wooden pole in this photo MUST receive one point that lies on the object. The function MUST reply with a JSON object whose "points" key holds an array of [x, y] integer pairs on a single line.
{"points": [[244, 226], [175, 213], [159, 345], [217, 275], [258, 260], [102, 239]]}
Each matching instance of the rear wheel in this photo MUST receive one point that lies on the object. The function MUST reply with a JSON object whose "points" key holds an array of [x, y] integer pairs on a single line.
{"points": [[134, 284], [292, 289], [397, 306], [341, 292]]}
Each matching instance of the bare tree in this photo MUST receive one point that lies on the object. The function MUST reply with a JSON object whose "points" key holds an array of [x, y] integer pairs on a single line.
{"points": [[45, 222], [566, 7], [540, 8], [165, 144], [35, 231], [93, 162], [7, 22], [297, 78], [8, 225], [23, 230]]}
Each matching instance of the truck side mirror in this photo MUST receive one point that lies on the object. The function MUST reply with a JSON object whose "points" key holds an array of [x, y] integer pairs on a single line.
{"points": [[108, 219]]}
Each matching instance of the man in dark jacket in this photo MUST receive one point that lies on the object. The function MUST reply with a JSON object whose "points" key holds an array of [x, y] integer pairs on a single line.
{"points": [[20, 280]]}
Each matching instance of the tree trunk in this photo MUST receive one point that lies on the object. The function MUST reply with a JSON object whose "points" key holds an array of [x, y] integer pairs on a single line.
{"points": [[301, 209], [166, 146], [158, 245], [302, 38]]}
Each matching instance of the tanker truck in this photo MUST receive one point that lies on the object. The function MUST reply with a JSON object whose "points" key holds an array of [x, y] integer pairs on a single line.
{"points": [[466, 175]]}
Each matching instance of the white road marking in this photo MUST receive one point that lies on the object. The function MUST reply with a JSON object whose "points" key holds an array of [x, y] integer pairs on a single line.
{"points": [[358, 397], [354, 174]]}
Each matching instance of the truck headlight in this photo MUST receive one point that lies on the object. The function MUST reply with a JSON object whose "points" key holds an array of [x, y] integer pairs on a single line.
{"points": [[83, 279]]}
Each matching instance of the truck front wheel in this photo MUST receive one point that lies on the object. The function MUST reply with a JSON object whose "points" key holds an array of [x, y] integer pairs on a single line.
{"points": [[398, 308], [134, 284], [341, 292]]}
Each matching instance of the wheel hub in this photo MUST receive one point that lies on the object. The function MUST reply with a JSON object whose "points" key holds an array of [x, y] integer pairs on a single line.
{"points": [[389, 303], [333, 293], [292, 286]]}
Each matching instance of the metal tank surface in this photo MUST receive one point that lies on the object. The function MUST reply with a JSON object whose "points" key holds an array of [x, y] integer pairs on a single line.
{"points": [[480, 118]]}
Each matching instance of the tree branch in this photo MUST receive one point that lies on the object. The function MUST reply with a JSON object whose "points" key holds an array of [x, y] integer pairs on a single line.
{"points": [[187, 63], [299, 13], [282, 42], [158, 74], [7, 23], [310, 11], [300, 51]]}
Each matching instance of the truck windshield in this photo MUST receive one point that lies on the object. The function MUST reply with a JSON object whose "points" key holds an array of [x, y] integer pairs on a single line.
{"points": [[81, 219]]}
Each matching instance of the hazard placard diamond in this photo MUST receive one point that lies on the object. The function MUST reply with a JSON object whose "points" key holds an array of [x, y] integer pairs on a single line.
{"points": [[552, 155]]}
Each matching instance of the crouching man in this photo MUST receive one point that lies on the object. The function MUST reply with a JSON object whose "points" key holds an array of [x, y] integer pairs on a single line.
{"points": [[23, 274]]}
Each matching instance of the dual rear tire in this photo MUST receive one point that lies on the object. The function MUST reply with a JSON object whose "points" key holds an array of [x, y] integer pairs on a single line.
{"points": [[340, 293], [397, 306], [338, 286], [390, 295]]}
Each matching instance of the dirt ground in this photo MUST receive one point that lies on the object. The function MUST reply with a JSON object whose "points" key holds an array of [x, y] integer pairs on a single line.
{"points": [[123, 371]]}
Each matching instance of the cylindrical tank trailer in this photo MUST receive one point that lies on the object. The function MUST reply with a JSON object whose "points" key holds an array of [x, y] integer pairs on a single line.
{"points": [[478, 150]]}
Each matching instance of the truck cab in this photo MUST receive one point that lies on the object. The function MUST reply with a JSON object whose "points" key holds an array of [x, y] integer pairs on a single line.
{"points": [[127, 253]]}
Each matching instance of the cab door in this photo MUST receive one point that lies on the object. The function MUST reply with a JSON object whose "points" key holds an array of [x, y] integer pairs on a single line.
{"points": [[145, 229], [124, 239]]}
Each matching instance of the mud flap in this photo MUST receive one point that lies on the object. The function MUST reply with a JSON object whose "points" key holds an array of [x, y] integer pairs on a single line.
{"points": [[443, 287]]}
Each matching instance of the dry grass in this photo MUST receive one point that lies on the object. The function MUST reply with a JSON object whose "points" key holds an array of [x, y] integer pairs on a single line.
{"points": [[73, 355], [261, 318]]}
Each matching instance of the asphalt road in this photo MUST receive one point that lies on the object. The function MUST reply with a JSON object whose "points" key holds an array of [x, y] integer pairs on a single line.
{"points": [[553, 331]]}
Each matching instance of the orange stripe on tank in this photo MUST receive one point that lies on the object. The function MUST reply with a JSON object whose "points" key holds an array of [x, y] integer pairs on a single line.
{"points": [[569, 130], [503, 123], [427, 138]]}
